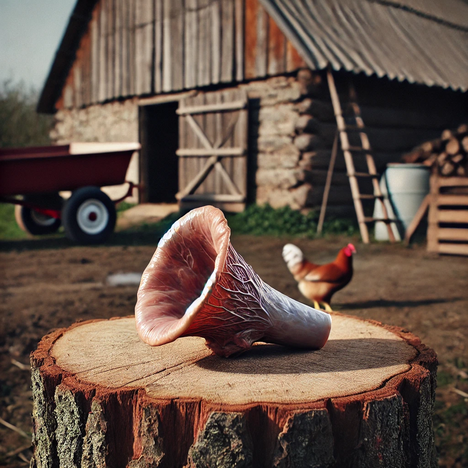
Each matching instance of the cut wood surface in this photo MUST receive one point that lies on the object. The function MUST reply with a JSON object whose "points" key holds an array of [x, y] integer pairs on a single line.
{"points": [[448, 155], [104, 398]]}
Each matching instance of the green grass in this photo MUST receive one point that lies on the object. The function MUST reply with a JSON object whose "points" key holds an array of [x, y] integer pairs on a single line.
{"points": [[123, 206], [255, 220], [9, 230], [265, 220]]}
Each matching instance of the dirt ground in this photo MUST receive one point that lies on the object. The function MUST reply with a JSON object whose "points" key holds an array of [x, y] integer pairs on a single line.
{"points": [[49, 283]]}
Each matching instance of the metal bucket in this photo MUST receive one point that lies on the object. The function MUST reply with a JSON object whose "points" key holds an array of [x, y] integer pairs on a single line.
{"points": [[404, 187]]}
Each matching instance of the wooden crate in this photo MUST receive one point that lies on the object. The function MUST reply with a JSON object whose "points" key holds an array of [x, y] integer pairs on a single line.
{"points": [[448, 215]]}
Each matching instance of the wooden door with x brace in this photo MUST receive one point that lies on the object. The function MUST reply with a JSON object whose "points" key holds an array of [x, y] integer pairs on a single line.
{"points": [[213, 150]]}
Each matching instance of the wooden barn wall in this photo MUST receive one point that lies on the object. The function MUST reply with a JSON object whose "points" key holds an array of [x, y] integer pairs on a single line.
{"points": [[145, 47]]}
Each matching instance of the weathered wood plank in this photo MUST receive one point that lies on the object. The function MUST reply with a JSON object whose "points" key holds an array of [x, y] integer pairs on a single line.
{"points": [[139, 46], [210, 131], [215, 13], [227, 31], [198, 180], [191, 44], [158, 45], [219, 184], [204, 43], [191, 141], [214, 162], [221, 106], [125, 47], [203, 120], [167, 47], [86, 44], [103, 52], [276, 49], [165, 98], [228, 137], [294, 61], [250, 41], [182, 147], [110, 49], [143, 45], [198, 130], [148, 34], [242, 135], [177, 33], [217, 197], [450, 216], [420, 213], [452, 234], [67, 95], [95, 53], [261, 63], [118, 15], [455, 249], [201, 152], [197, 163], [231, 186], [460, 200], [131, 49], [77, 83], [239, 42], [452, 182]]}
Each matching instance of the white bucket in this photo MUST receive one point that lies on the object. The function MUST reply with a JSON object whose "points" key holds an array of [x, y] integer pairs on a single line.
{"points": [[404, 187]]}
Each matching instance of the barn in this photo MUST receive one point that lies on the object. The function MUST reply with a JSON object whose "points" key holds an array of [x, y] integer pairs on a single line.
{"points": [[230, 100]]}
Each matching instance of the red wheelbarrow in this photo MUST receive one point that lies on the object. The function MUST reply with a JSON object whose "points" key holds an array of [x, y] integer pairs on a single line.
{"points": [[38, 174]]}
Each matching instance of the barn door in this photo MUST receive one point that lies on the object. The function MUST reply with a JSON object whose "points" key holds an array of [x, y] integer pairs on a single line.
{"points": [[213, 150]]}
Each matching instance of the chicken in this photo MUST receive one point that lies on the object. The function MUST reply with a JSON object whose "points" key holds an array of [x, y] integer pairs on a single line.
{"points": [[319, 282]]}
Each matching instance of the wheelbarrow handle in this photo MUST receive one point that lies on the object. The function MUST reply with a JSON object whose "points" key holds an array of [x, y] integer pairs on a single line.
{"points": [[129, 191]]}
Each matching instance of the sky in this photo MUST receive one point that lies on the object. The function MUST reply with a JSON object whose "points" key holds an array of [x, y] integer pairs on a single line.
{"points": [[30, 34]]}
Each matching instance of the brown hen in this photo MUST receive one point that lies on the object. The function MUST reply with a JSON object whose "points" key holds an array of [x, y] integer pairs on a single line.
{"points": [[319, 282]]}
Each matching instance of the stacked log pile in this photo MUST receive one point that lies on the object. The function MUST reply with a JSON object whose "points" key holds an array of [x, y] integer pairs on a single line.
{"points": [[447, 155]]}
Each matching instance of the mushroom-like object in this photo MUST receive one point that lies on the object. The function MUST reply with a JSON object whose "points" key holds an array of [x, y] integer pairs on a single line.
{"points": [[196, 284]]}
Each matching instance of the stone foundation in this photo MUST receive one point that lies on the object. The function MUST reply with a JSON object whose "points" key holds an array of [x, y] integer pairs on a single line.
{"points": [[112, 122]]}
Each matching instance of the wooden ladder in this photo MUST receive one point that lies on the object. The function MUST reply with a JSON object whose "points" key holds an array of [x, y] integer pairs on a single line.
{"points": [[343, 128]]}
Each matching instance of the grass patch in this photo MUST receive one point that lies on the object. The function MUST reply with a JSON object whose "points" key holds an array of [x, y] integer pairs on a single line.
{"points": [[444, 378], [123, 206], [255, 220], [157, 229], [9, 230], [265, 220]]}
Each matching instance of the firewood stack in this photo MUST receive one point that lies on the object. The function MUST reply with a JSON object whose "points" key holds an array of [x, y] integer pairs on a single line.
{"points": [[447, 155]]}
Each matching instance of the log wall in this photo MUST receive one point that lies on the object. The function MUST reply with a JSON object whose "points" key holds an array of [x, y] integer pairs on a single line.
{"points": [[397, 116], [145, 47]]}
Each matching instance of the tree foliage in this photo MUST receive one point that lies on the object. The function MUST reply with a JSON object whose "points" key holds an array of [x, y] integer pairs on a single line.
{"points": [[20, 124]]}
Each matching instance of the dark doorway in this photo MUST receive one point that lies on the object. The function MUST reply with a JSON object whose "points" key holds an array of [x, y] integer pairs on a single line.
{"points": [[159, 138]]}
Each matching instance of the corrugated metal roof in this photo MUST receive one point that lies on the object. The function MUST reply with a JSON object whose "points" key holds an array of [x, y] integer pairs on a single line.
{"points": [[422, 41]]}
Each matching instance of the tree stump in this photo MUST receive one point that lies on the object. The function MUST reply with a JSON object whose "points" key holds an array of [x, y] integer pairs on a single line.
{"points": [[104, 398]]}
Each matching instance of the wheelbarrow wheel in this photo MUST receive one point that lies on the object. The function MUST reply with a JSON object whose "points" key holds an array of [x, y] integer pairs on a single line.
{"points": [[35, 223], [89, 216]]}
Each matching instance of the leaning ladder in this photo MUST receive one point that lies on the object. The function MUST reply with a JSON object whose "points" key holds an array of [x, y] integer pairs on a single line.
{"points": [[343, 128]]}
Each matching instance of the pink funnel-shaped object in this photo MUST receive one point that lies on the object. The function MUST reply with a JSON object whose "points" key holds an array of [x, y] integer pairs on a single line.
{"points": [[197, 284]]}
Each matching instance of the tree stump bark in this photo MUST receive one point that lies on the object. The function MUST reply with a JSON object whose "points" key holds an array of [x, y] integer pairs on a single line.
{"points": [[104, 398]]}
